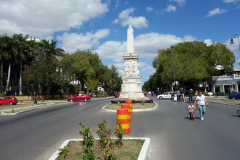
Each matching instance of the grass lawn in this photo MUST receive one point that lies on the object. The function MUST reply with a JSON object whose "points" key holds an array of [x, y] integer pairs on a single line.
{"points": [[227, 101], [134, 106], [40, 104], [42, 101], [19, 110], [129, 150], [6, 106]]}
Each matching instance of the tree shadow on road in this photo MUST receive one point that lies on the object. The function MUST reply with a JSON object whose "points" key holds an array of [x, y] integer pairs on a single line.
{"points": [[235, 115]]}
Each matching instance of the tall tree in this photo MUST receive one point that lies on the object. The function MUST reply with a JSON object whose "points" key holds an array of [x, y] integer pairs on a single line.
{"points": [[191, 63], [22, 54], [9, 51]]}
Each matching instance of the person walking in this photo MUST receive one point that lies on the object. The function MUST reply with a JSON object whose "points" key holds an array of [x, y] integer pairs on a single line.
{"points": [[178, 95], [201, 101], [190, 95], [172, 95], [181, 95]]}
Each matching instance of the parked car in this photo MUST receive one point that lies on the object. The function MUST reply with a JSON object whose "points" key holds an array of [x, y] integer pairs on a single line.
{"points": [[8, 100], [234, 96], [117, 94], [210, 93], [166, 95], [79, 97]]}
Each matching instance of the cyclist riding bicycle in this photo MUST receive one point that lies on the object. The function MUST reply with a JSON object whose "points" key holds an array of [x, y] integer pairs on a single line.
{"points": [[191, 108]]}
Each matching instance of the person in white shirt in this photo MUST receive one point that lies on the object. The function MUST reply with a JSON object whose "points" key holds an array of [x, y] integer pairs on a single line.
{"points": [[191, 108], [201, 101]]}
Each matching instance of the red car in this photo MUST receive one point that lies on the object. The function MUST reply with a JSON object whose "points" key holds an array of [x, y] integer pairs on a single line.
{"points": [[8, 100], [117, 94], [79, 97]]}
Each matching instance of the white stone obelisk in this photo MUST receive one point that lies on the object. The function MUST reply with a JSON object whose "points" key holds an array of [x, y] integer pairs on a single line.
{"points": [[132, 83]]}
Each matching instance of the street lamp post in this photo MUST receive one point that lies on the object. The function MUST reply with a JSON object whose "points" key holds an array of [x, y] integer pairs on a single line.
{"points": [[37, 50], [238, 40]]}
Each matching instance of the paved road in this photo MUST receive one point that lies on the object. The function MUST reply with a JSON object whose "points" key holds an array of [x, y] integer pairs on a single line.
{"points": [[37, 134]]}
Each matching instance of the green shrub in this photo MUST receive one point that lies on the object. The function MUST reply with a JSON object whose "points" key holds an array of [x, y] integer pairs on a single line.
{"points": [[64, 151], [81, 91], [205, 93], [228, 94], [219, 94], [2, 93]]}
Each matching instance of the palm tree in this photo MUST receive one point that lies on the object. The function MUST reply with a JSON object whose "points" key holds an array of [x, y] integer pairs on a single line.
{"points": [[22, 54], [51, 53], [1, 57], [9, 51], [51, 50]]}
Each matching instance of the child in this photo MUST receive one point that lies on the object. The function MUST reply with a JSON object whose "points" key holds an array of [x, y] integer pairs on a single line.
{"points": [[191, 108]]}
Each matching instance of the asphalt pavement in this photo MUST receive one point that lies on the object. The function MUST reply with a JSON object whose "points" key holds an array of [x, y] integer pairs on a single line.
{"points": [[35, 135]]}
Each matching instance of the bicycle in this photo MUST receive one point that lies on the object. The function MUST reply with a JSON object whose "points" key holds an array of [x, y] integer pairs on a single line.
{"points": [[191, 116]]}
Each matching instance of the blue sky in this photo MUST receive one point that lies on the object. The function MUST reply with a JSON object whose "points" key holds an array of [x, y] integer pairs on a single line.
{"points": [[102, 25]]}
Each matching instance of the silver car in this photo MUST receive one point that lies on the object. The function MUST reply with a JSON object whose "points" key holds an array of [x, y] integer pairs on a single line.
{"points": [[166, 95]]}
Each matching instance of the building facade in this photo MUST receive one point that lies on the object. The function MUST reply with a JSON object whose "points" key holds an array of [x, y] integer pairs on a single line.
{"points": [[226, 83]]}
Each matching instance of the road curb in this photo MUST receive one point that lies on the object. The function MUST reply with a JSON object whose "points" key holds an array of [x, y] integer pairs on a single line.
{"points": [[11, 114], [143, 155], [101, 99], [134, 110], [225, 104]]}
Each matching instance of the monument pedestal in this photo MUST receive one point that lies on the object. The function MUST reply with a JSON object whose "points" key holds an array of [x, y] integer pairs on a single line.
{"points": [[132, 91]]}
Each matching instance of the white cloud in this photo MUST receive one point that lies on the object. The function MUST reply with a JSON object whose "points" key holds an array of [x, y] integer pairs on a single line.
{"points": [[137, 22], [170, 8], [189, 38], [120, 65], [180, 2], [215, 12], [117, 3], [142, 64], [230, 1], [235, 46], [148, 70], [146, 46], [125, 13], [40, 17], [149, 9], [70, 42], [115, 21], [121, 72], [208, 42], [238, 7]]}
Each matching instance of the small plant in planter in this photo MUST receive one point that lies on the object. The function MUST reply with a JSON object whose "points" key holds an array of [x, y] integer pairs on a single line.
{"points": [[119, 134], [85, 131], [105, 142], [88, 153], [64, 150]]}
